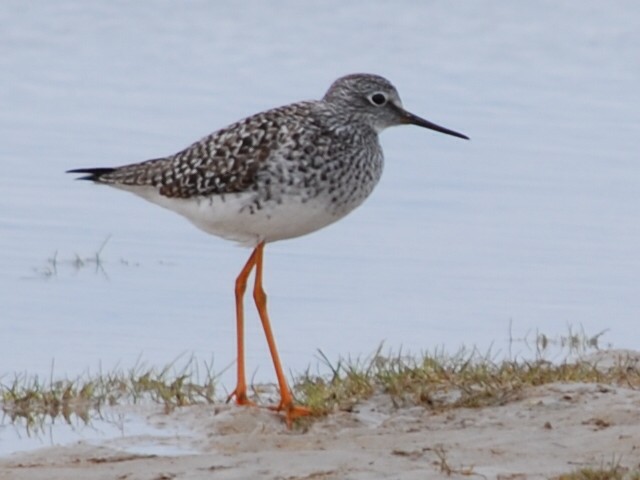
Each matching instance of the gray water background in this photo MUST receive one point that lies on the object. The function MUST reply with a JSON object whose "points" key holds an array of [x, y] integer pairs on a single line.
{"points": [[533, 223]]}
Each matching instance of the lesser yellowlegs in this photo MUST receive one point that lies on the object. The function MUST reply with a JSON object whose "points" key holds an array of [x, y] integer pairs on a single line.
{"points": [[275, 175]]}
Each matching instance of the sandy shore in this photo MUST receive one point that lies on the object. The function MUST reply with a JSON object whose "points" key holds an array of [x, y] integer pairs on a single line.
{"points": [[553, 429]]}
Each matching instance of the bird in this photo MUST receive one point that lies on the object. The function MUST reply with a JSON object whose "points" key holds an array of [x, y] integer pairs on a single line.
{"points": [[275, 175]]}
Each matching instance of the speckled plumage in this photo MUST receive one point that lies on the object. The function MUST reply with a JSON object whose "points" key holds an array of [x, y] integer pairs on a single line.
{"points": [[309, 162], [278, 174]]}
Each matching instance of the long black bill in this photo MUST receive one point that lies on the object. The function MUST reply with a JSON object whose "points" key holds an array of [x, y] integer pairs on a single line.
{"points": [[421, 122]]}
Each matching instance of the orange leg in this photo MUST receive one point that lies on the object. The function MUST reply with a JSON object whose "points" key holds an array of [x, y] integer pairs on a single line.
{"points": [[291, 410], [240, 392]]}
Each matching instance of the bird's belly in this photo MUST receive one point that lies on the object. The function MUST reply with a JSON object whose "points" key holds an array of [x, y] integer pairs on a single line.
{"points": [[247, 223], [239, 217]]}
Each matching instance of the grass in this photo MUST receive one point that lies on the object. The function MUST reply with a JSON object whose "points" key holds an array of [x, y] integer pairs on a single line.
{"points": [[76, 262], [435, 381], [32, 401], [439, 381], [613, 471], [443, 465]]}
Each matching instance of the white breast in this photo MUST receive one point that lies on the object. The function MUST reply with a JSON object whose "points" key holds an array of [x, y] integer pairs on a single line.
{"points": [[237, 217]]}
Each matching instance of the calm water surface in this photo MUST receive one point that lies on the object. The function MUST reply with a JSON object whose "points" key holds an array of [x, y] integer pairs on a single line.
{"points": [[535, 221]]}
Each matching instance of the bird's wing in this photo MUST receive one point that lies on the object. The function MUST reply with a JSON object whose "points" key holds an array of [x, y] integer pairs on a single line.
{"points": [[223, 162], [226, 161]]}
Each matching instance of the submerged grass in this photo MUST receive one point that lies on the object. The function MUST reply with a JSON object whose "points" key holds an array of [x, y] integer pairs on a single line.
{"points": [[57, 263], [32, 401], [436, 381], [77, 262]]}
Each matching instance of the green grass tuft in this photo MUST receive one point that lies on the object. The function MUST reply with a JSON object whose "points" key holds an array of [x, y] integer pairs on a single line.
{"points": [[435, 381], [32, 401]]}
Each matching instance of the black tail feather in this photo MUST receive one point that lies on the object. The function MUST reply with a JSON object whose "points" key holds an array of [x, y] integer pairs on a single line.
{"points": [[94, 174]]}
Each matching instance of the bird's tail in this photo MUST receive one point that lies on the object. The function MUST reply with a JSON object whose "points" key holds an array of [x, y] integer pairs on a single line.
{"points": [[93, 174]]}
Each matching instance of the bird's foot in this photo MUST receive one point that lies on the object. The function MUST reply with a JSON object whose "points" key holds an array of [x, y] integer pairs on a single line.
{"points": [[287, 406], [291, 411], [241, 398]]}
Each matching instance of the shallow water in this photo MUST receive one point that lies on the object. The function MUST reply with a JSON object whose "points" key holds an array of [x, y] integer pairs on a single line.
{"points": [[131, 426], [533, 222]]}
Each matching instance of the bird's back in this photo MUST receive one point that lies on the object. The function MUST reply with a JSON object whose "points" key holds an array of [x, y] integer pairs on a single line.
{"points": [[291, 170]]}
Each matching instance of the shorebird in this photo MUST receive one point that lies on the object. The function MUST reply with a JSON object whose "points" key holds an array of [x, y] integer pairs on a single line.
{"points": [[275, 175]]}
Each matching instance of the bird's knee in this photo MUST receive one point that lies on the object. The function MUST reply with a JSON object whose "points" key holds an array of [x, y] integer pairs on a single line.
{"points": [[259, 296], [241, 286]]}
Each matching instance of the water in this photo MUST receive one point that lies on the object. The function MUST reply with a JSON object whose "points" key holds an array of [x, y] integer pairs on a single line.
{"points": [[131, 430], [534, 222]]}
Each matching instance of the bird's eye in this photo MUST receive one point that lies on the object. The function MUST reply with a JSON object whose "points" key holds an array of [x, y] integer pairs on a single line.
{"points": [[378, 99]]}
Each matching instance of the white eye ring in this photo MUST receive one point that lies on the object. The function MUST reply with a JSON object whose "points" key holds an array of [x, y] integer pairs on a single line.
{"points": [[378, 99]]}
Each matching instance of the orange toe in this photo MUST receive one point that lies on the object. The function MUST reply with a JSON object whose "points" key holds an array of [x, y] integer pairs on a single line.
{"points": [[291, 411], [241, 398]]}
